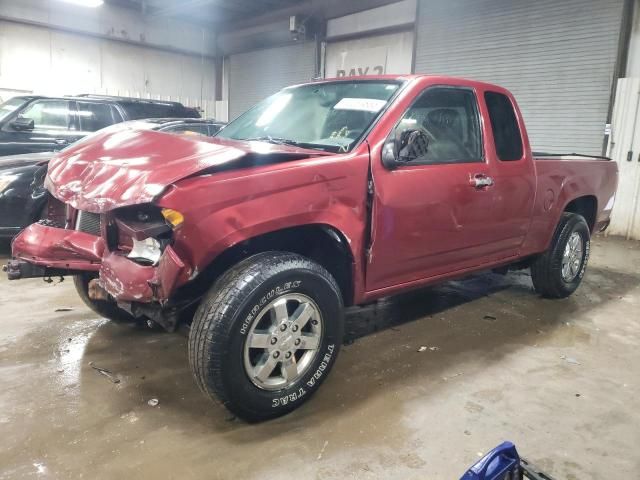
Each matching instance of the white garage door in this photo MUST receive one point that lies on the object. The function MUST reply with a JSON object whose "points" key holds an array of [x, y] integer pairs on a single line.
{"points": [[255, 75], [370, 55], [557, 57]]}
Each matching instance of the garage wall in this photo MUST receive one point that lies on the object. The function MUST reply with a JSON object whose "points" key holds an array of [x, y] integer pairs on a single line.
{"points": [[371, 55], [43, 61], [375, 41], [112, 21], [255, 75], [556, 57]]}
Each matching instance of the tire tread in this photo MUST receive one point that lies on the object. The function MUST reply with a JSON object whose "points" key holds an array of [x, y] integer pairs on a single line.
{"points": [[212, 324]]}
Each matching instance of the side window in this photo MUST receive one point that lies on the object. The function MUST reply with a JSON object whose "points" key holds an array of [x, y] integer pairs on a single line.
{"points": [[446, 121], [49, 114], [140, 110], [94, 116], [117, 116], [504, 124]]}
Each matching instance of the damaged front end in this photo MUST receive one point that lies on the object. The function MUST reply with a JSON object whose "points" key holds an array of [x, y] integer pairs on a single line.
{"points": [[141, 264], [111, 186], [130, 248]]}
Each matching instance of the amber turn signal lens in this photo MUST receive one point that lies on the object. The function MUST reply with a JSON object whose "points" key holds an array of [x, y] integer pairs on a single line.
{"points": [[173, 217]]}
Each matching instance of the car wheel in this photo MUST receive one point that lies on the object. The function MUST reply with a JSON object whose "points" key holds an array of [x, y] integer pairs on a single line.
{"points": [[558, 272], [266, 335], [105, 308]]}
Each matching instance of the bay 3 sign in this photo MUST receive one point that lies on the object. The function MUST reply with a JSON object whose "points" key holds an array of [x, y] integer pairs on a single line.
{"points": [[376, 70], [348, 60]]}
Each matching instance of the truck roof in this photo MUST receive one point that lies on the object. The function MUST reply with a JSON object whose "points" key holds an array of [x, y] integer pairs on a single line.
{"points": [[414, 76]]}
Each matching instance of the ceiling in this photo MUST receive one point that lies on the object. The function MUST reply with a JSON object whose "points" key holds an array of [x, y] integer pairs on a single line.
{"points": [[209, 12]]}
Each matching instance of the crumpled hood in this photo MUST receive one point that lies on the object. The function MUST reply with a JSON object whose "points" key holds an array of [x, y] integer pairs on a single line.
{"points": [[122, 166], [24, 160]]}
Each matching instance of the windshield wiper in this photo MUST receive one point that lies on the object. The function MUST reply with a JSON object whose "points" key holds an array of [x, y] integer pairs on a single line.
{"points": [[274, 140]]}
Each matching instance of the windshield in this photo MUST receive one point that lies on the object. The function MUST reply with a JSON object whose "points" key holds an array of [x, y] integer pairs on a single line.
{"points": [[326, 116], [9, 106]]}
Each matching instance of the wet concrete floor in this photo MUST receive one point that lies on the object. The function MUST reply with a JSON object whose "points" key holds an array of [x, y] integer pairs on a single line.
{"points": [[560, 378]]}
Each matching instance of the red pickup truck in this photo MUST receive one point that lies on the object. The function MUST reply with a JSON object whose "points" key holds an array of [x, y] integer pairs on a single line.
{"points": [[326, 194]]}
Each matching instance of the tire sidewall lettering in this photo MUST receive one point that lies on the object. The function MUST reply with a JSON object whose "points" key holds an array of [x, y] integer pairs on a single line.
{"points": [[585, 259], [270, 295], [313, 381]]}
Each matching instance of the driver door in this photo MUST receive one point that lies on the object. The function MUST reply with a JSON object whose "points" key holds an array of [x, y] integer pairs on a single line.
{"points": [[432, 215]]}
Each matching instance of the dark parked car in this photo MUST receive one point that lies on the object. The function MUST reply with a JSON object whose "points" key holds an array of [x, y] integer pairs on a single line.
{"points": [[43, 124], [23, 198]]}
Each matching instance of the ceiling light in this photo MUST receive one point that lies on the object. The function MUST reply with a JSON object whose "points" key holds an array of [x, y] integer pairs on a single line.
{"points": [[85, 3]]}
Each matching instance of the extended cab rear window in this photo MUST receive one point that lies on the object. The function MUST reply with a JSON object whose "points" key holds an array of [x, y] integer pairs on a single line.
{"points": [[504, 124]]}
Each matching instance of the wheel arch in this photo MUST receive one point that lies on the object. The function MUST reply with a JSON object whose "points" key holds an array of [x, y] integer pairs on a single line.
{"points": [[587, 206], [320, 242]]}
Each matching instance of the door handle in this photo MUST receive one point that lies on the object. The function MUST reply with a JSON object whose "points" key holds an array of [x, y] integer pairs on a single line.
{"points": [[480, 180]]}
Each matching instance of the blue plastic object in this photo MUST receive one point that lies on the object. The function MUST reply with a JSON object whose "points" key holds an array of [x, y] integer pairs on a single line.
{"points": [[501, 463]]}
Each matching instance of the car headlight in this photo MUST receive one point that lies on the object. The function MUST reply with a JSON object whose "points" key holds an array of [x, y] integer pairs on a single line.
{"points": [[5, 181]]}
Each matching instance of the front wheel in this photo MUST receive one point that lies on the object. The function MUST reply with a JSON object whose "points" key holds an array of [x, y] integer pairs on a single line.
{"points": [[557, 273], [266, 335]]}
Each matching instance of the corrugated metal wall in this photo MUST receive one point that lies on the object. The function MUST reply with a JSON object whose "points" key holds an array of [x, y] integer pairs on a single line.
{"points": [[255, 75], [556, 56]]}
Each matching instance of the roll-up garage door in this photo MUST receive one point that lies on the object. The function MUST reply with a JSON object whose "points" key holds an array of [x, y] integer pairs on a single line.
{"points": [[255, 75], [557, 57]]}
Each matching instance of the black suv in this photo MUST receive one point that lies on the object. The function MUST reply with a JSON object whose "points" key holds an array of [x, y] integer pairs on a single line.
{"points": [[42, 124]]}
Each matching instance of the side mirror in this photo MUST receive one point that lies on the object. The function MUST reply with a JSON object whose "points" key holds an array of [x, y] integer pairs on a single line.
{"points": [[22, 123], [404, 147]]}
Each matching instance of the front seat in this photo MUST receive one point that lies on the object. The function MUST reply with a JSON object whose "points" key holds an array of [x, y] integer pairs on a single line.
{"points": [[446, 126]]}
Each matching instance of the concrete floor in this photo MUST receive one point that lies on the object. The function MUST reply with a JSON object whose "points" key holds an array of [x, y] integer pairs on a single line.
{"points": [[559, 378]]}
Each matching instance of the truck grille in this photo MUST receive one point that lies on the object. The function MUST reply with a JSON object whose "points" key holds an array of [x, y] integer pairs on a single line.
{"points": [[89, 223]]}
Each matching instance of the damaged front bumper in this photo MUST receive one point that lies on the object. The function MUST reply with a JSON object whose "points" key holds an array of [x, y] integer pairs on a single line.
{"points": [[41, 251], [127, 281], [56, 249]]}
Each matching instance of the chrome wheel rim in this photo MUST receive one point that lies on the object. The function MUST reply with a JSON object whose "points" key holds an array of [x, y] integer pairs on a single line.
{"points": [[283, 341], [572, 257]]}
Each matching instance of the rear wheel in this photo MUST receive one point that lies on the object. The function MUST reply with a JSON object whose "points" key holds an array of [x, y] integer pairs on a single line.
{"points": [[266, 335], [557, 273], [105, 308]]}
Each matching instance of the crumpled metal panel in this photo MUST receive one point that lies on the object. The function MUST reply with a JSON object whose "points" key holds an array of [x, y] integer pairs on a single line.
{"points": [[124, 280], [123, 166], [127, 281], [59, 248]]}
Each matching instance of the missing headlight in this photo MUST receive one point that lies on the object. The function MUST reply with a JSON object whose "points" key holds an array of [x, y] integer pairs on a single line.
{"points": [[147, 251]]}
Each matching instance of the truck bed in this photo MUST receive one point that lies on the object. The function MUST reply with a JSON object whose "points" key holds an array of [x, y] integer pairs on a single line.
{"points": [[559, 179]]}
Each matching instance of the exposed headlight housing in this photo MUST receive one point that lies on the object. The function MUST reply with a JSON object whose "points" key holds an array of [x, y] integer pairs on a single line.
{"points": [[147, 250]]}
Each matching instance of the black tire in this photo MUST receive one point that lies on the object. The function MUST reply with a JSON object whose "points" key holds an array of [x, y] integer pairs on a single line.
{"points": [[105, 308], [227, 314], [546, 269]]}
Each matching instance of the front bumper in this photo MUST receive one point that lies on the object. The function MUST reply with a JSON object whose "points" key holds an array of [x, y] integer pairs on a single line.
{"points": [[59, 248], [41, 251], [127, 281]]}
